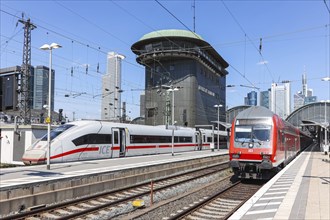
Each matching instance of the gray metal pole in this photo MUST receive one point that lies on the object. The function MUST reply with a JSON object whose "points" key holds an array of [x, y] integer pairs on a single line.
{"points": [[49, 107], [325, 130], [218, 127]]}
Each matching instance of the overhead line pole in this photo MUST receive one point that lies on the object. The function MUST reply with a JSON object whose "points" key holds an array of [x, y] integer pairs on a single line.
{"points": [[24, 77]]}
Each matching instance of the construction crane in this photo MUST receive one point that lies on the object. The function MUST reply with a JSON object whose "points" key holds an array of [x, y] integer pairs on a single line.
{"points": [[24, 77]]}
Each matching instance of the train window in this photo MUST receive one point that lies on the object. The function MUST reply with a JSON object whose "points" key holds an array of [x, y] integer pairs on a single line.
{"points": [[252, 133], [261, 133], [92, 139], [151, 139], [185, 139], [99, 139], [57, 131], [81, 140], [115, 137], [243, 133]]}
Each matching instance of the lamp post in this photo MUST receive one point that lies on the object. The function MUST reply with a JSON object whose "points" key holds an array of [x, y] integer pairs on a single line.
{"points": [[49, 118], [218, 107], [172, 89], [326, 147], [117, 96]]}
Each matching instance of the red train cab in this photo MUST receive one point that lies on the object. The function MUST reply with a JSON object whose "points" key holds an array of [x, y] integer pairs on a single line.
{"points": [[261, 143]]}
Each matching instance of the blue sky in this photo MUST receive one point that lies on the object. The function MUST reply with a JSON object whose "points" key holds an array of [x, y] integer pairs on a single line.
{"points": [[295, 37]]}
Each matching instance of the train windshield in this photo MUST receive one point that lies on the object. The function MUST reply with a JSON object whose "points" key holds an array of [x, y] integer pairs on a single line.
{"points": [[57, 131], [252, 133]]}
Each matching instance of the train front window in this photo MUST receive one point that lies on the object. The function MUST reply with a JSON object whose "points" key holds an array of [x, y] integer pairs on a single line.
{"points": [[57, 131], [252, 134], [261, 133], [243, 133]]}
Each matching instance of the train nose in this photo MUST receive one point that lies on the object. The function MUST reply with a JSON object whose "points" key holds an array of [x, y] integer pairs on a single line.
{"points": [[34, 157]]}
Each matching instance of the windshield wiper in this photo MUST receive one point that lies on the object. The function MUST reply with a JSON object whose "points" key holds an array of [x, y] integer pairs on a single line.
{"points": [[257, 140]]}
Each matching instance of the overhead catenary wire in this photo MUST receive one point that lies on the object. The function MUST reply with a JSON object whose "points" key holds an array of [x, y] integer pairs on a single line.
{"points": [[240, 26], [244, 71]]}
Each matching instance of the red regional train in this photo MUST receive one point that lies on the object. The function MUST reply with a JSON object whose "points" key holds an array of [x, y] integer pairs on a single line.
{"points": [[95, 139], [261, 143]]}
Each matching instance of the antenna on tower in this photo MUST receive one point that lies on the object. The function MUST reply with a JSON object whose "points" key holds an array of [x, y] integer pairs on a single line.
{"points": [[194, 17], [304, 82], [24, 77]]}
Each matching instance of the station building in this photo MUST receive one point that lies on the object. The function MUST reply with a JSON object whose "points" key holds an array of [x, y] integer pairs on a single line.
{"points": [[183, 73], [314, 118]]}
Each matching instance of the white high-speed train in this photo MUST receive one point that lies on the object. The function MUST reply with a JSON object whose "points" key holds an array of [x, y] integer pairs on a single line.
{"points": [[94, 139]]}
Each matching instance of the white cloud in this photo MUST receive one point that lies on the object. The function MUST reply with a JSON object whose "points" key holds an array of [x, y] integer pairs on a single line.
{"points": [[262, 62]]}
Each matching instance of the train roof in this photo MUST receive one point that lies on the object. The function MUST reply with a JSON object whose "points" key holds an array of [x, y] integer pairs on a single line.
{"points": [[255, 112], [136, 128]]}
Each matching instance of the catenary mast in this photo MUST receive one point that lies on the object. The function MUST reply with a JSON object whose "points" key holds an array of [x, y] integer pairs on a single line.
{"points": [[24, 76]]}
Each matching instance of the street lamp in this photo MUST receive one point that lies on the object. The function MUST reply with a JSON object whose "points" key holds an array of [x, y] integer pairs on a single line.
{"points": [[172, 89], [117, 96], [49, 118], [326, 147], [218, 107]]}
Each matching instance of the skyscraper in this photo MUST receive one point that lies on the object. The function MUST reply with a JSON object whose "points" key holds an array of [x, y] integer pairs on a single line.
{"points": [[298, 100], [40, 87], [111, 88], [305, 96], [252, 98], [265, 99], [281, 99]]}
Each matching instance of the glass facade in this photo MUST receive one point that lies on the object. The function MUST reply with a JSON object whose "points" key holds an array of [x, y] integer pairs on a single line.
{"points": [[40, 87], [252, 98]]}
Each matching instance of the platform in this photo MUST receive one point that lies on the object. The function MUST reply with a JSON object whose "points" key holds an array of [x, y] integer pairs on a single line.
{"points": [[39, 186], [17, 176], [300, 191]]}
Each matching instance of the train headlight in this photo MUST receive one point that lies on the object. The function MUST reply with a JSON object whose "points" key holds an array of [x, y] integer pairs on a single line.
{"points": [[266, 156], [237, 155]]}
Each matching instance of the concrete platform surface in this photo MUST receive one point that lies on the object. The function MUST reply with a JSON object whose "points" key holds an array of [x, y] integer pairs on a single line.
{"points": [[10, 177], [300, 191]]}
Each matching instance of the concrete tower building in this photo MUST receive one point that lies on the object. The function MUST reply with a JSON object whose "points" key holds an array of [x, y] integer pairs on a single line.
{"points": [[111, 88], [185, 78]]}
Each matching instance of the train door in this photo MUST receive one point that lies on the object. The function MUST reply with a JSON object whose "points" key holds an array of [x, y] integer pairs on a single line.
{"points": [[201, 138], [119, 141], [284, 143], [198, 140]]}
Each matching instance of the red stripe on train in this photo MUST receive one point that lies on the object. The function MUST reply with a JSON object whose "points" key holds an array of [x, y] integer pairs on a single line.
{"points": [[114, 148]]}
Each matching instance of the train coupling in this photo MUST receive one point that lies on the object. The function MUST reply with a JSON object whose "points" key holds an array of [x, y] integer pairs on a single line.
{"points": [[266, 165]]}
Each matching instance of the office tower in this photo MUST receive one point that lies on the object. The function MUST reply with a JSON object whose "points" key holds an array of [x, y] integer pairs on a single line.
{"points": [[280, 99], [111, 88], [251, 99], [265, 99]]}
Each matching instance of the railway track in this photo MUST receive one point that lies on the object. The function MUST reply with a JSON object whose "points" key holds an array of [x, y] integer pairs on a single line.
{"points": [[221, 205], [114, 203], [216, 200]]}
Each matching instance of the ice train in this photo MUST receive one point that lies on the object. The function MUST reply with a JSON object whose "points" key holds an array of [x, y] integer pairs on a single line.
{"points": [[95, 139]]}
